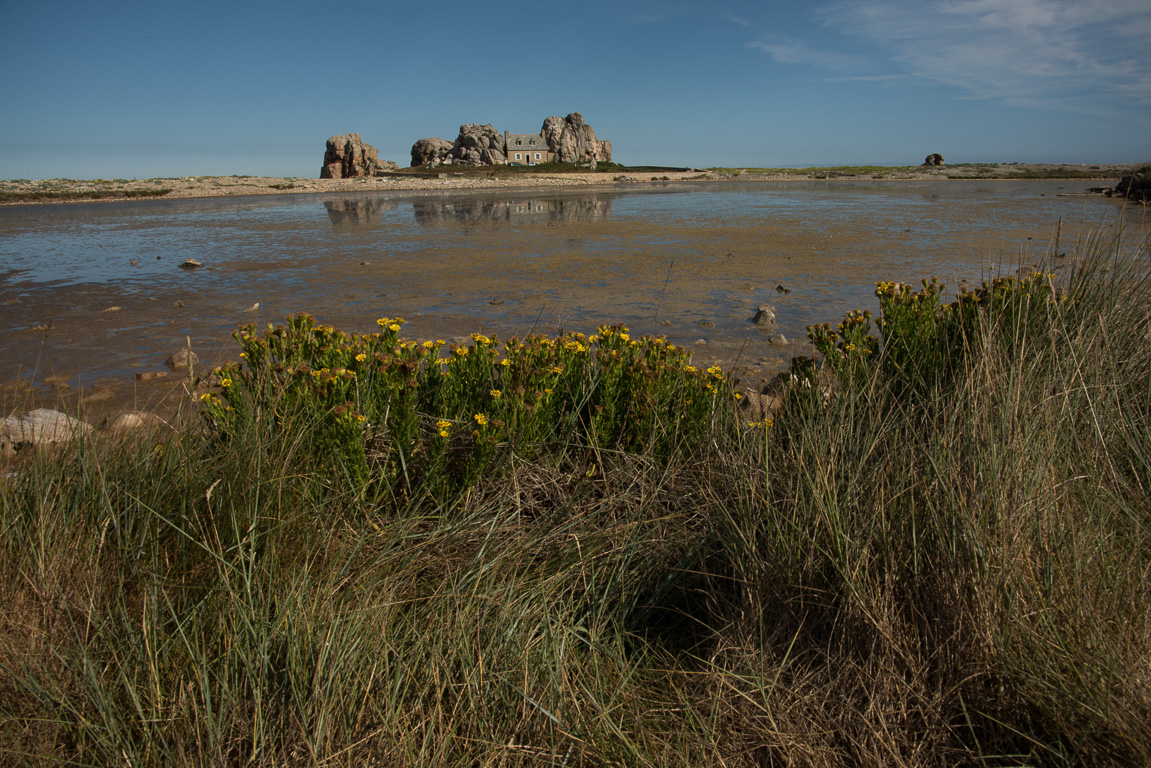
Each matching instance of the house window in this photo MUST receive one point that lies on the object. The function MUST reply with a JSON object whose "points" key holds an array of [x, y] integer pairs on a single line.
{"points": [[517, 155], [537, 155]]}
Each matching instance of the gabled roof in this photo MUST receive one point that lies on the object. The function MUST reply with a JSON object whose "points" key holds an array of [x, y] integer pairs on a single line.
{"points": [[527, 141]]}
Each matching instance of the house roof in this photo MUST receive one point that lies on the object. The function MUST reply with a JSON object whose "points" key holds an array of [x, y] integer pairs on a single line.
{"points": [[526, 141]]}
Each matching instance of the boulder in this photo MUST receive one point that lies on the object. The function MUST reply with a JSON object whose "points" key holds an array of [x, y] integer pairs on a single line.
{"points": [[348, 156], [41, 427], [574, 141], [132, 421], [934, 159], [181, 360], [431, 152], [1136, 186], [764, 316]]}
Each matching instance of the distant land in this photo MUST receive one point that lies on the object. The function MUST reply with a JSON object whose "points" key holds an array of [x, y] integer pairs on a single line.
{"points": [[24, 191]]}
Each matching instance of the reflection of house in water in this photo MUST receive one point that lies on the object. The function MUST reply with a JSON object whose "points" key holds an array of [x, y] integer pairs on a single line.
{"points": [[590, 208], [357, 211]]}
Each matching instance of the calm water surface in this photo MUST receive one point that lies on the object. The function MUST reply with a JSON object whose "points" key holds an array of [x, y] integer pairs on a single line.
{"points": [[690, 261]]}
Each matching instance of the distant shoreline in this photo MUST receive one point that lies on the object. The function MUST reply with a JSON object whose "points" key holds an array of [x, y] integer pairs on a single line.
{"points": [[51, 191]]}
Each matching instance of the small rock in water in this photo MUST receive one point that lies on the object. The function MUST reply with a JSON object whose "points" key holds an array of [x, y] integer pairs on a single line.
{"points": [[781, 289], [149, 375], [181, 359], [254, 308], [666, 323], [496, 302], [765, 316], [190, 264], [177, 303], [113, 309], [779, 340], [134, 263], [705, 324]]}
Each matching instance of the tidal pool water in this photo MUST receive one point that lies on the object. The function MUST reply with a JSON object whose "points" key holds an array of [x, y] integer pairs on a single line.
{"points": [[92, 293]]}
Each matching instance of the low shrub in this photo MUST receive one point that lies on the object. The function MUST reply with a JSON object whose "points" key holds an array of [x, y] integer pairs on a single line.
{"points": [[394, 409]]}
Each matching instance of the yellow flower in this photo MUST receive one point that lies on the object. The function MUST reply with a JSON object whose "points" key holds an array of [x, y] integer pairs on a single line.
{"points": [[547, 391], [557, 369], [460, 351], [738, 396], [225, 383], [625, 337], [481, 419], [394, 327], [505, 362], [429, 344], [690, 368], [206, 397], [441, 424], [443, 433], [495, 393], [361, 357], [360, 417], [244, 355]]}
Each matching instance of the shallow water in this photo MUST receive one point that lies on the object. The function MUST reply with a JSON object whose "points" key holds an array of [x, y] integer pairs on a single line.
{"points": [[692, 261]]}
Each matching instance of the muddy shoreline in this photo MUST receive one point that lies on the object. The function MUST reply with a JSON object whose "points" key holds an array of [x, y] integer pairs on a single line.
{"points": [[63, 191]]}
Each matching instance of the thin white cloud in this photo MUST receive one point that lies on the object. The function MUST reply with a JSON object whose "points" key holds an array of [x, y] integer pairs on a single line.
{"points": [[1034, 52], [798, 52], [735, 19]]}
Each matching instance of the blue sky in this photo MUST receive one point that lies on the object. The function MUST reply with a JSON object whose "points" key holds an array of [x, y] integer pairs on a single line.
{"points": [[140, 89]]}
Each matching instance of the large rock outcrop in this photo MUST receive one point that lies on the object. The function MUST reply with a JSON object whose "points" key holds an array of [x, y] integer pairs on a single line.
{"points": [[348, 156], [934, 159], [475, 145], [479, 145], [569, 138], [573, 141]]}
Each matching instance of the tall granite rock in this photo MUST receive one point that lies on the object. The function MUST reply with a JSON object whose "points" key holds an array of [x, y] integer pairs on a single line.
{"points": [[348, 156], [573, 141]]}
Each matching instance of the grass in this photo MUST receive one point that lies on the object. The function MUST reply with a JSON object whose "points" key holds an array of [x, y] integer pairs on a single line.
{"points": [[92, 194], [957, 171], [937, 553]]}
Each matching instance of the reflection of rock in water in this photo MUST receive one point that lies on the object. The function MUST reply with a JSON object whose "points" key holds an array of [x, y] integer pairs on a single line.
{"points": [[592, 208], [357, 212]]}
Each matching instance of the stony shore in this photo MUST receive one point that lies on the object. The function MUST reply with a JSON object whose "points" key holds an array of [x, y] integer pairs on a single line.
{"points": [[23, 191]]}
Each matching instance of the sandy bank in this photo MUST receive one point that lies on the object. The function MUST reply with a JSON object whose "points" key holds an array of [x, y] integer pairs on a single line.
{"points": [[23, 191]]}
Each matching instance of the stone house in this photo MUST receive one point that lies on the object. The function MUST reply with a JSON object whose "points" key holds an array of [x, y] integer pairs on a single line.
{"points": [[526, 148]]}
